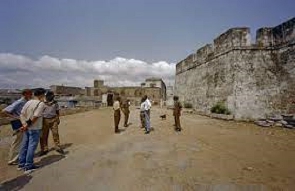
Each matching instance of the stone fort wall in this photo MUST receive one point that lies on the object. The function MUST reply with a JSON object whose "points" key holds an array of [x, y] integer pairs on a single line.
{"points": [[253, 80]]}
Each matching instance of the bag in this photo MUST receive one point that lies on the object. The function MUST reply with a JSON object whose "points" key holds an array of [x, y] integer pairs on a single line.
{"points": [[16, 124]]}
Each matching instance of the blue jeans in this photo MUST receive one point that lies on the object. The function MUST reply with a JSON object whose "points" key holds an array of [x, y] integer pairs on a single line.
{"points": [[147, 121], [28, 147]]}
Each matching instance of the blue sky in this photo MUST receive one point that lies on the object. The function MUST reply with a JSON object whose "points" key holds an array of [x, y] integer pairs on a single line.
{"points": [[145, 30]]}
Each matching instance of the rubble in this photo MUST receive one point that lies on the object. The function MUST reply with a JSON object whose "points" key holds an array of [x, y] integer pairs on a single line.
{"points": [[286, 121], [249, 168]]}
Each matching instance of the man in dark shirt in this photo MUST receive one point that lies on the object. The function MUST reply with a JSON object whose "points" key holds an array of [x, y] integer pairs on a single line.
{"points": [[177, 113], [125, 109]]}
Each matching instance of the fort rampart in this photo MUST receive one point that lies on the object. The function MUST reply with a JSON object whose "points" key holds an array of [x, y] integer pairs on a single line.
{"points": [[253, 79]]}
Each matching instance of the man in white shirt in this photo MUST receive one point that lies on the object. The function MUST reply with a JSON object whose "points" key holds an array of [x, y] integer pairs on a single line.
{"points": [[145, 108], [117, 114], [148, 105], [142, 113], [31, 118]]}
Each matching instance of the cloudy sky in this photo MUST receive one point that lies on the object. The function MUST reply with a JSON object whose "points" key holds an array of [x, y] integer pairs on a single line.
{"points": [[72, 42]]}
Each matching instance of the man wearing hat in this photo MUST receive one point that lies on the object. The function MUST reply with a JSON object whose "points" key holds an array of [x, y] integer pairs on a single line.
{"points": [[50, 121]]}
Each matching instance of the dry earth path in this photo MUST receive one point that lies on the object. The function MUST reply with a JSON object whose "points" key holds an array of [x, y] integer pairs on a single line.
{"points": [[208, 155]]}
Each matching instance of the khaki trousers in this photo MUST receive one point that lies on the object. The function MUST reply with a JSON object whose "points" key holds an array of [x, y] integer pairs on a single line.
{"points": [[117, 117], [177, 121], [142, 119], [15, 146], [51, 124], [126, 116]]}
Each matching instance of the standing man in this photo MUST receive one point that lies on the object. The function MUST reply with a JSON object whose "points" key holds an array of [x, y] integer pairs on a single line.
{"points": [[145, 107], [31, 118], [14, 111], [50, 121], [126, 111], [117, 114], [177, 113], [148, 105], [142, 113]]}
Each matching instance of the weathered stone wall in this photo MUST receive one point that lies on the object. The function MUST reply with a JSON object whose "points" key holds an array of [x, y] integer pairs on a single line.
{"points": [[132, 93], [253, 80], [66, 90]]}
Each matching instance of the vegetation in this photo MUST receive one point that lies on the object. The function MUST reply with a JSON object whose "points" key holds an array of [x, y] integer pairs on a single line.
{"points": [[220, 108], [188, 105]]}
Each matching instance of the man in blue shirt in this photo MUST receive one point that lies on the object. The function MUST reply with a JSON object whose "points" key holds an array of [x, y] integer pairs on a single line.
{"points": [[13, 111]]}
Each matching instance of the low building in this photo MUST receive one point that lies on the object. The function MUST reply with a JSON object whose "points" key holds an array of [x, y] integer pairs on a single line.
{"points": [[154, 88], [66, 90], [156, 82]]}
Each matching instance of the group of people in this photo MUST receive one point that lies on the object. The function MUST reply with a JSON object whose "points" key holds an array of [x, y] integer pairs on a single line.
{"points": [[145, 113], [32, 116], [35, 113]]}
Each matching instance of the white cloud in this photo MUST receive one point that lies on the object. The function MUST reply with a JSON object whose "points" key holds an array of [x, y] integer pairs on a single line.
{"points": [[20, 71]]}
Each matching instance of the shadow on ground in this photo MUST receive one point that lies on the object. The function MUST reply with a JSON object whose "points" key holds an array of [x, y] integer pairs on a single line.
{"points": [[49, 160], [52, 158], [64, 146], [15, 184], [19, 182]]}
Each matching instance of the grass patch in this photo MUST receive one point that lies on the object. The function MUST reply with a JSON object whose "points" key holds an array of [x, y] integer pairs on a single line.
{"points": [[220, 108], [188, 105]]}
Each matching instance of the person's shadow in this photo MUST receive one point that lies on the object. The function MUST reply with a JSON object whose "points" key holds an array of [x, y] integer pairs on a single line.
{"points": [[16, 183], [19, 182], [47, 160], [64, 146]]}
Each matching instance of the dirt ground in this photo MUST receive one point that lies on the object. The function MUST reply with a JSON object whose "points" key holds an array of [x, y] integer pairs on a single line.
{"points": [[208, 154]]}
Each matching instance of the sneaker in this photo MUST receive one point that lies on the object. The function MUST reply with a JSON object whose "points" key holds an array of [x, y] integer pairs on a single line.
{"points": [[12, 163], [35, 167], [29, 171], [42, 153], [147, 132], [19, 168], [178, 129], [60, 151]]}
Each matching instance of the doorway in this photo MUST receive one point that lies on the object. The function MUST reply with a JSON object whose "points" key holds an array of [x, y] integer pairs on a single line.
{"points": [[110, 99]]}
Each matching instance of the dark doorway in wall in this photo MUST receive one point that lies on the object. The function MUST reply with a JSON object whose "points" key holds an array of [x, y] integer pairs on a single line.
{"points": [[95, 92], [110, 99]]}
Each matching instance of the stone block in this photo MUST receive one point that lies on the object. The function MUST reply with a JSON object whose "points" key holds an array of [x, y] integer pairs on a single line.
{"points": [[263, 123], [222, 116]]}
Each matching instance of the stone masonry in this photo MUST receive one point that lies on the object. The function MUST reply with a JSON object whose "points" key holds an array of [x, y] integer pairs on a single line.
{"points": [[253, 80]]}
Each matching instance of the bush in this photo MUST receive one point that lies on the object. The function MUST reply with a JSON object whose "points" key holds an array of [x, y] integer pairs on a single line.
{"points": [[188, 105], [220, 108]]}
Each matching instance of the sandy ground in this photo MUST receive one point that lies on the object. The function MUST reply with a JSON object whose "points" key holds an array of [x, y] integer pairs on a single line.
{"points": [[207, 155]]}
